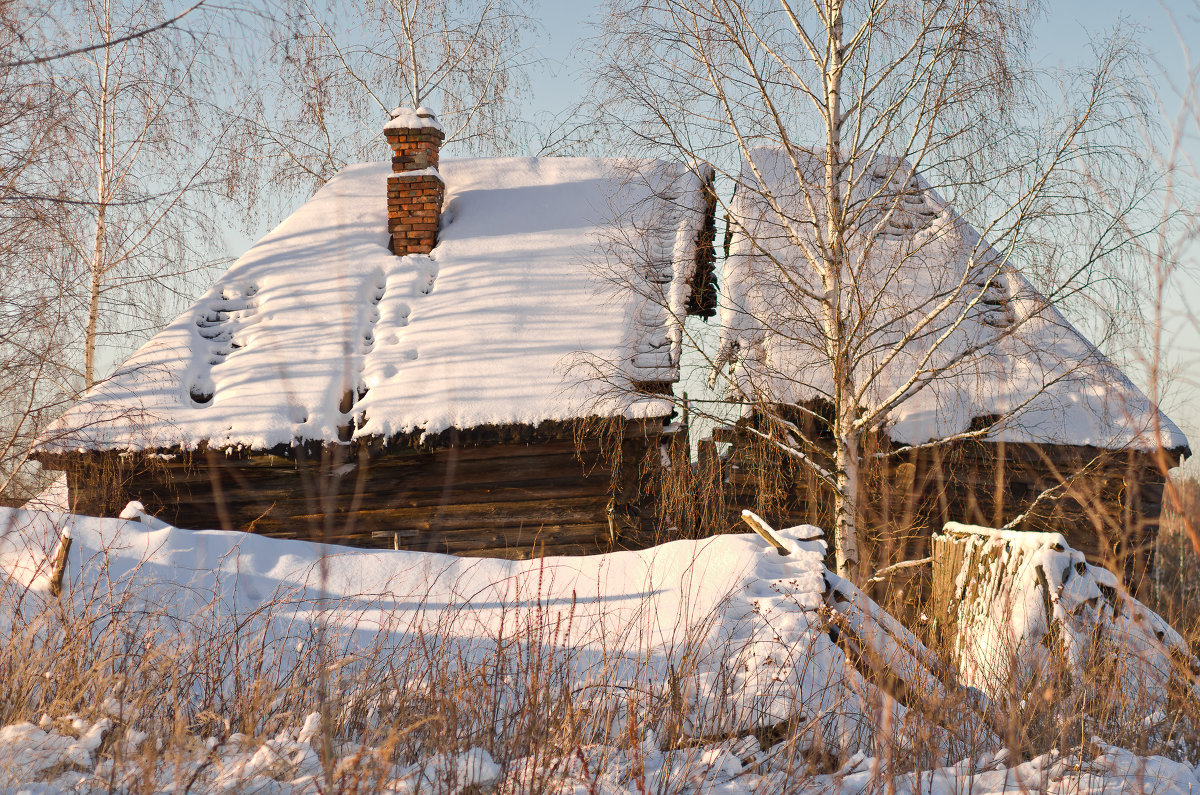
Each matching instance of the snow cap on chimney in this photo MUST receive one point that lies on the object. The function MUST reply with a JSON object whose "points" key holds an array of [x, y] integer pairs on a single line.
{"points": [[409, 119]]}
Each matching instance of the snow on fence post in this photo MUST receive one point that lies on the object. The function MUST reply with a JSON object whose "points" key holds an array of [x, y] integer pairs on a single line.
{"points": [[765, 530], [415, 191], [58, 560], [1019, 611]]}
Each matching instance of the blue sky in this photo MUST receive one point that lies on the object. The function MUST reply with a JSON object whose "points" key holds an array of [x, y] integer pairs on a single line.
{"points": [[1067, 27]]}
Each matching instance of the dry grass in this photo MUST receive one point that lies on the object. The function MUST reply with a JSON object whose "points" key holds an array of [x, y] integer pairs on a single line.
{"points": [[182, 691], [1176, 592], [225, 681], [184, 685]]}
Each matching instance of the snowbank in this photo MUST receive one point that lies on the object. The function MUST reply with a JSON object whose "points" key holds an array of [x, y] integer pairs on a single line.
{"points": [[734, 634], [737, 633]]}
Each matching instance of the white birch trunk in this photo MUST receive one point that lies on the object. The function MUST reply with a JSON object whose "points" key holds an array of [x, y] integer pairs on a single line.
{"points": [[98, 243], [837, 279], [845, 539]]}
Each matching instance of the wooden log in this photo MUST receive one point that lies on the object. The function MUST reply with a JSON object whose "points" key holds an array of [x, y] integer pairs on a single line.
{"points": [[58, 561], [548, 463], [520, 541], [375, 495], [482, 514]]}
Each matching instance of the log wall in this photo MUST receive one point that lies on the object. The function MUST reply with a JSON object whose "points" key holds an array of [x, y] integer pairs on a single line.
{"points": [[1106, 503], [500, 499]]}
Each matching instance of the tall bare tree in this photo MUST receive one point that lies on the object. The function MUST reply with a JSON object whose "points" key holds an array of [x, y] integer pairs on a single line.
{"points": [[107, 142], [338, 70], [832, 124], [36, 323], [140, 149]]}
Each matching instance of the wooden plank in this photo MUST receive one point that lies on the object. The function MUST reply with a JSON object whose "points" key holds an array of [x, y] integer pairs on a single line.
{"points": [[377, 496], [551, 464], [483, 482], [582, 535], [580, 509]]}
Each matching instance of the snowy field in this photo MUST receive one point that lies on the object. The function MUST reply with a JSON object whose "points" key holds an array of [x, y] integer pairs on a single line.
{"points": [[209, 661]]}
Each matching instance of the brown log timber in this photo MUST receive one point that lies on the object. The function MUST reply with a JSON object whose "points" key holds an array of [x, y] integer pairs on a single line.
{"points": [[511, 491], [1110, 512]]}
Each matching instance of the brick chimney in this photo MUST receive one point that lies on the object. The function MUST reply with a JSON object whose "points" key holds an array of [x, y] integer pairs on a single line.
{"points": [[415, 191]]}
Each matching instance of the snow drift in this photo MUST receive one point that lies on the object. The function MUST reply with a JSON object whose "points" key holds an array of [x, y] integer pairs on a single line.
{"points": [[708, 640], [724, 635]]}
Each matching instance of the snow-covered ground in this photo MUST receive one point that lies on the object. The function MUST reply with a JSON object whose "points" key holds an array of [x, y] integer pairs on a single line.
{"points": [[52, 760], [735, 627], [719, 641]]}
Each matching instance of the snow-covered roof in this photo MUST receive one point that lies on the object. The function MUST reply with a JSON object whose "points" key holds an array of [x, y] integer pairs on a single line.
{"points": [[995, 346], [319, 324]]}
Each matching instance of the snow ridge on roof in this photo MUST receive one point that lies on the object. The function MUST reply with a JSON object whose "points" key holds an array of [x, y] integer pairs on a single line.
{"points": [[1007, 351], [320, 333]]}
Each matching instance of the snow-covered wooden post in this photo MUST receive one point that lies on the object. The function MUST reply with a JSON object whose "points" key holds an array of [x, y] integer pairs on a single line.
{"points": [[415, 191], [58, 560], [1021, 612]]}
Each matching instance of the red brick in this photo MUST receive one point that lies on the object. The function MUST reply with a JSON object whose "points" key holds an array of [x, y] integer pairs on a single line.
{"points": [[414, 201]]}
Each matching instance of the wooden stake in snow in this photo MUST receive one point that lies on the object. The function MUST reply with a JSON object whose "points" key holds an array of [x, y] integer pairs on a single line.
{"points": [[58, 558], [763, 529]]}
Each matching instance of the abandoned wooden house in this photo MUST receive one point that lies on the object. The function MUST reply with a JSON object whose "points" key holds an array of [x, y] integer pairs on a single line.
{"points": [[1005, 400], [423, 356], [405, 361]]}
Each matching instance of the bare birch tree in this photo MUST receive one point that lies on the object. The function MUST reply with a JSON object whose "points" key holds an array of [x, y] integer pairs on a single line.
{"points": [[35, 323], [339, 70], [106, 143], [835, 121], [140, 150]]}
